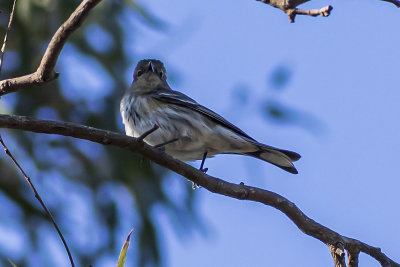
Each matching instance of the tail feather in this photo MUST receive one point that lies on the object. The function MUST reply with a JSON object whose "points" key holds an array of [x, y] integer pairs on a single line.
{"points": [[292, 155], [281, 158]]}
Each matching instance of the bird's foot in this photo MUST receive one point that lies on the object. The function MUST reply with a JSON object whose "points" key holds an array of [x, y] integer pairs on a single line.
{"points": [[147, 133], [204, 170], [161, 148], [195, 186]]}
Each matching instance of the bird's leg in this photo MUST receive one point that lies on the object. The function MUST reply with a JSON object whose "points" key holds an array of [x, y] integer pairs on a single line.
{"points": [[162, 145], [147, 133], [202, 163], [194, 185]]}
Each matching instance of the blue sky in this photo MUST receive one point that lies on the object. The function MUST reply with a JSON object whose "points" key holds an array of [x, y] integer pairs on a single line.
{"points": [[345, 72]]}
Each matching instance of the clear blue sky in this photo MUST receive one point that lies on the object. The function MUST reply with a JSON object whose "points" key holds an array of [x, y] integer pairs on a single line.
{"points": [[345, 72]]}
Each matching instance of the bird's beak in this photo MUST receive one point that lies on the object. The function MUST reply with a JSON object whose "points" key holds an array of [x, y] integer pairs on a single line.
{"points": [[150, 68]]}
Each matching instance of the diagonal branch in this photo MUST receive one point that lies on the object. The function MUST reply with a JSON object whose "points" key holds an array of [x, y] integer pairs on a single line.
{"points": [[213, 184], [37, 196], [45, 71]]}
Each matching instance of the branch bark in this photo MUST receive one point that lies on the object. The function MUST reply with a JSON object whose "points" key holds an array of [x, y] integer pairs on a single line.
{"points": [[325, 12], [290, 8], [213, 184], [394, 2], [338, 255], [45, 71], [352, 255]]}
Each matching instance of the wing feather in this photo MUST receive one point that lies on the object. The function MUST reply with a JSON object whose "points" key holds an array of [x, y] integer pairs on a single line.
{"points": [[177, 98]]}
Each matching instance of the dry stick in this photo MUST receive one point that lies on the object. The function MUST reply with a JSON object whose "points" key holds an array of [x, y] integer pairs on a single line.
{"points": [[213, 184], [7, 151]]}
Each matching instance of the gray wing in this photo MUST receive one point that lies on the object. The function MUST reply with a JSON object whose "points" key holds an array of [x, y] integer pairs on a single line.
{"points": [[177, 98]]}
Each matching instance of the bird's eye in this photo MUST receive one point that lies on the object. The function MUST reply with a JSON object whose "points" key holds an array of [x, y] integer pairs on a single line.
{"points": [[161, 74], [140, 72]]}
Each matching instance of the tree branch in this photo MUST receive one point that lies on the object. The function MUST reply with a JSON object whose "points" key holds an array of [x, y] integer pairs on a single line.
{"points": [[45, 71], [213, 184], [394, 2], [289, 7]]}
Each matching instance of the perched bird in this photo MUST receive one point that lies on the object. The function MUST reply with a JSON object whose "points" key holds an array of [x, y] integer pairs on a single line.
{"points": [[187, 130]]}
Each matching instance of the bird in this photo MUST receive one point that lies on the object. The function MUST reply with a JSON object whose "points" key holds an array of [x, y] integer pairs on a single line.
{"points": [[183, 128]]}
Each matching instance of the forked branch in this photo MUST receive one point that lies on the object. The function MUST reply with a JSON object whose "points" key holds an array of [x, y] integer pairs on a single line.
{"points": [[39, 198], [45, 71]]}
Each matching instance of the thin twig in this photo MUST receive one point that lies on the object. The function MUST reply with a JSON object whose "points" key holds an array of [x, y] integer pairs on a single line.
{"points": [[3, 48], [147, 133], [7, 151], [213, 184]]}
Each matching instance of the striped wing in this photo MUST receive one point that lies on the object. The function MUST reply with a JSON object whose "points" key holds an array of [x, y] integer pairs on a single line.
{"points": [[177, 98]]}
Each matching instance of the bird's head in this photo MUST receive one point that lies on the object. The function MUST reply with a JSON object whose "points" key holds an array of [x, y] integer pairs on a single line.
{"points": [[149, 75]]}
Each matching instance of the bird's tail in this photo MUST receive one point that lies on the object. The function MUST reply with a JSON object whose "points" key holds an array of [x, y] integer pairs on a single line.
{"points": [[281, 158]]}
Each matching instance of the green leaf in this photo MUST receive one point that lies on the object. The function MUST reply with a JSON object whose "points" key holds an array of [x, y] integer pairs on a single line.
{"points": [[122, 255]]}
